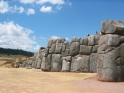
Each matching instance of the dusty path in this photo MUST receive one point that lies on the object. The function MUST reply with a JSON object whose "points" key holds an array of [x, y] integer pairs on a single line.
{"points": [[13, 80]]}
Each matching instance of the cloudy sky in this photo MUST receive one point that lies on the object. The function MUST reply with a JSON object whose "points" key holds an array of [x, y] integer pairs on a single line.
{"points": [[28, 24]]}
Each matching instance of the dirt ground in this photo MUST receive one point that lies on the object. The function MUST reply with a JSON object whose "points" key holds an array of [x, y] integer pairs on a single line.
{"points": [[21, 80]]}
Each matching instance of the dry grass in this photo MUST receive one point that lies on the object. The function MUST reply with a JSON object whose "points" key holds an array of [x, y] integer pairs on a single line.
{"points": [[10, 61], [2, 62], [14, 80]]}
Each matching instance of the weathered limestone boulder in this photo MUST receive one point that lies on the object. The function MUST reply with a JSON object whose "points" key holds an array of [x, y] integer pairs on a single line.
{"points": [[111, 65], [93, 62], [34, 59], [56, 63], [84, 65], [80, 63], [46, 51], [85, 41], [110, 60], [66, 53], [63, 48], [68, 45], [74, 48], [78, 40], [49, 43], [97, 37], [95, 48], [73, 39], [86, 50], [81, 41], [38, 65], [91, 40], [112, 27], [66, 64], [46, 63], [52, 49], [58, 48]]}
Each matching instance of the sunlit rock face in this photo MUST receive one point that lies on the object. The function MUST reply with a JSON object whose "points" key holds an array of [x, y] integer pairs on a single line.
{"points": [[102, 53], [110, 60], [78, 55]]}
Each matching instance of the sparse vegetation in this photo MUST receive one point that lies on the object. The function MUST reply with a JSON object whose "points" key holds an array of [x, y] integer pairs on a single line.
{"points": [[12, 61]]}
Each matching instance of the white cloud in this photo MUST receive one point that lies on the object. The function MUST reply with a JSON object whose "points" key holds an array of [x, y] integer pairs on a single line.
{"points": [[15, 9], [43, 38], [21, 9], [59, 7], [67, 39], [33, 37], [30, 11], [14, 36], [54, 37], [37, 47], [4, 7], [50, 1], [46, 9], [69, 3], [26, 1]]}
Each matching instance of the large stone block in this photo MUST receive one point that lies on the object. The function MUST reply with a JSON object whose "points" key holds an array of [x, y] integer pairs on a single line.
{"points": [[110, 64], [78, 40], [35, 62], [91, 40], [85, 41], [63, 48], [97, 37], [80, 64], [93, 62], [112, 27], [73, 39], [66, 64], [95, 48], [46, 51], [56, 64], [46, 63], [66, 53], [86, 50], [68, 45], [39, 61], [109, 42], [58, 48], [49, 44], [75, 48], [52, 49], [81, 41]]}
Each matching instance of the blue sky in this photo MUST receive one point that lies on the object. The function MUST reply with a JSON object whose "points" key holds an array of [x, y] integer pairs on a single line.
{"points": [[28, 24]]}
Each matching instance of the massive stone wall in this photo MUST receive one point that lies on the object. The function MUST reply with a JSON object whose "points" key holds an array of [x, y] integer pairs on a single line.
{"points": [[102, 53], [79, 55]]}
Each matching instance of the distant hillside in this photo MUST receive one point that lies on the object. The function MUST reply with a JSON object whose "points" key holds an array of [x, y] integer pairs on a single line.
{"points": [[15, 52]]}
